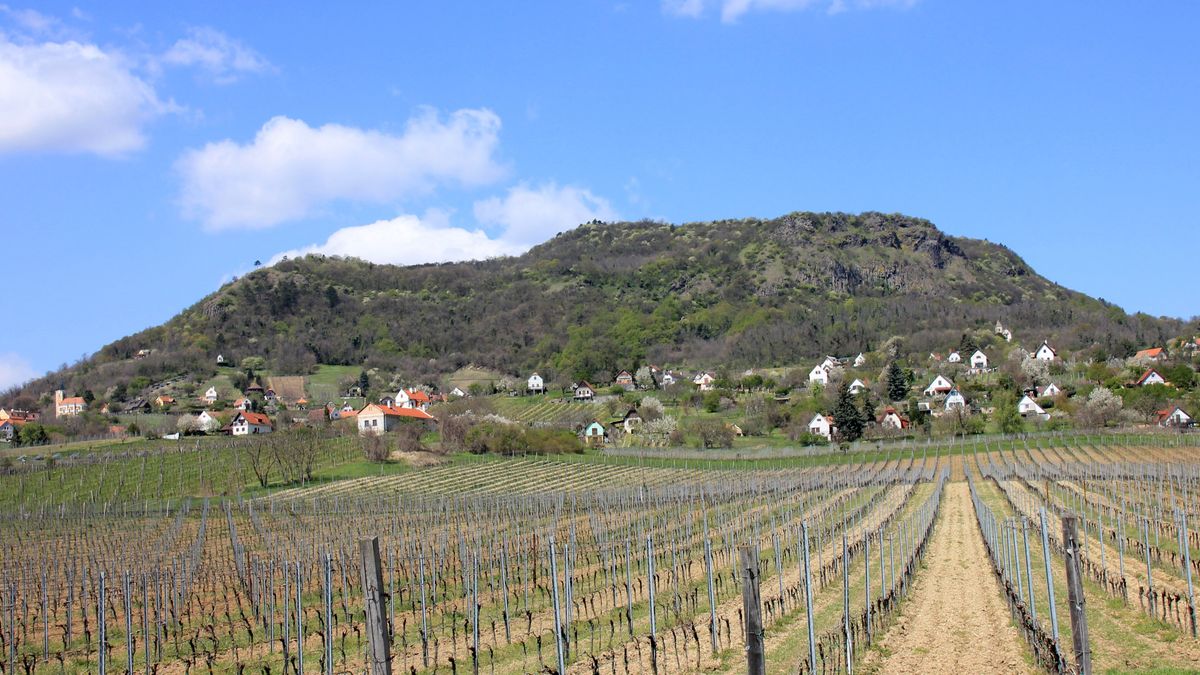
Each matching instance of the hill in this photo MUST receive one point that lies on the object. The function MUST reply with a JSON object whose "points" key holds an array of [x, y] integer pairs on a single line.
{"points": [[606, 296]]}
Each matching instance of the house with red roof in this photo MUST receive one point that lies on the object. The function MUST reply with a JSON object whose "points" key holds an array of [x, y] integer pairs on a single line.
{"points": [[1173, 417], [1150, 377], [891, 419], [249, 423], [377, 418]]}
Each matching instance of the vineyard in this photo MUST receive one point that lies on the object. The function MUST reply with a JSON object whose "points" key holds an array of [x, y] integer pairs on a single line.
{"points": [[920, 559]]}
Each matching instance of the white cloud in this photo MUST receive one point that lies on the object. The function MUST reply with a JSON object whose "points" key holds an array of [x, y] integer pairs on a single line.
{"points": [[71, 97], [524, 217], [291, 169], [732, 10], [219, 55], [14, 370], [530, 215], [410, 240]]}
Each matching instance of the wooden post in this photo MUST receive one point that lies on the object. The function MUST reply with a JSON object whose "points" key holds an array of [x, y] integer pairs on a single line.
{"points": [[1079, 628], [379, 658], [752, 606]]}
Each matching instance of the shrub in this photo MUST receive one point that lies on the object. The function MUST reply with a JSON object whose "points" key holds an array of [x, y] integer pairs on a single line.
{"points": [[713, 434]]}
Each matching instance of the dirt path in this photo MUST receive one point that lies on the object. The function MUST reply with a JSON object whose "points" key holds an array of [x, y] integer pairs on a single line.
{"points": [[956, 620]]}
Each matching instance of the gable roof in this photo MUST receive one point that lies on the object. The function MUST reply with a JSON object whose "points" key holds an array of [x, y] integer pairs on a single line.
{"points": [[257, 419], [1146, 375], [392, 411], [1152, 353], [1162, 415], [417, 395]]}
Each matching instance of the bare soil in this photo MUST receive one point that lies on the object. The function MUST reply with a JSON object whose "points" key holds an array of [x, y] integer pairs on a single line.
{"points": [[956, 620]]}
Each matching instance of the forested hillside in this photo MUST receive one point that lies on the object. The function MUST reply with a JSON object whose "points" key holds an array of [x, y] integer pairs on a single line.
{"points": [[607, 296]]}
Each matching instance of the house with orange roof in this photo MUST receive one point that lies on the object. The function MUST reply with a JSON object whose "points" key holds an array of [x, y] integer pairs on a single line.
{"points": [[248, 423], [162, 401], [68, 406], [1152, 354], [242, 404], [412, 398], [377, 418]]}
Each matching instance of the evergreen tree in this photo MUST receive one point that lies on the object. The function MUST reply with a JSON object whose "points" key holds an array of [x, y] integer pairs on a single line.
{"points": [[847, 416], [868, 407], [967, 346], [897, 385], [364, 382]]}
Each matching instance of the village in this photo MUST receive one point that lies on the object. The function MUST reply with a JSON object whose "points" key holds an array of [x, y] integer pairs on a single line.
{"points": [[988, 383]]}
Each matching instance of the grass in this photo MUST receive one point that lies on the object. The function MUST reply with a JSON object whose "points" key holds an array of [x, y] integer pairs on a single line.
{"points": [[323, 385]]}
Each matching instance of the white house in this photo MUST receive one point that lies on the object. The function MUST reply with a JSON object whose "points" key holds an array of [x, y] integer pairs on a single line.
{"points": [[207, 422], [704, 381], [379, 419], [955, 399], [1045, 353], [242, 404], [412, 398], [829, 363], [631, 421], [1173, 417], [210, 396], [891, 419], [535, 385], [821, 425], [954, 357], [979, 360], [857, 386], [8, 429], [819, 375], [940, 385], [458, 393], [1050, 391], [1027, 406], [668, 379], [248, 423], [220, 359], [1150, 377], [594, 434], [860, 360], [584, 392]]}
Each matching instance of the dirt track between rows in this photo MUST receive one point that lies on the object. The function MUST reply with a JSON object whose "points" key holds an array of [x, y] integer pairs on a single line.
{"points": [[956, 620]]}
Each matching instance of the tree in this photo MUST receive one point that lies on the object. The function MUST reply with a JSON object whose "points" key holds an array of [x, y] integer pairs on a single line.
{"points": [[868, 406], [1101, 407], [1008, 418], [897, 384], [331, 296], [364, 382], [645, 378], [967, 346], [847, 416]]}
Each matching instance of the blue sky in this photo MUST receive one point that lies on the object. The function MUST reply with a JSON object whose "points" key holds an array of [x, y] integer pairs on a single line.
{"points": [[150, 151]]}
